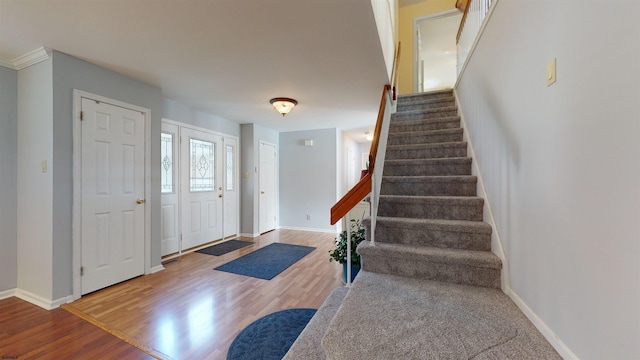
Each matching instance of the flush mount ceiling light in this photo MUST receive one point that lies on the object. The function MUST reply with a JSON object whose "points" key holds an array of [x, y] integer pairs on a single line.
{"points": [[283, 105], [368, 136]]}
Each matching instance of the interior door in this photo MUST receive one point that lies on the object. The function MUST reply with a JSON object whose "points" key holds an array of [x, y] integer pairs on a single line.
{"points": [[113, 209], [169, 199], [267, 179], [230, 188], [202, 187]]}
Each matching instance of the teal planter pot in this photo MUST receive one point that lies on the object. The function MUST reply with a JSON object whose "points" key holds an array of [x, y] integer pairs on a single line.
{"points": [[354, 272]]}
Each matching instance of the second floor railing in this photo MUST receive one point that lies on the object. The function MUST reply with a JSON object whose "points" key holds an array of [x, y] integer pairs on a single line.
{"points": [[471, 24]]}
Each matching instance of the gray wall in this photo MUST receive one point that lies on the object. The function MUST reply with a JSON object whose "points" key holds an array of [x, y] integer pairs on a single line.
{"points": [[8, 178], [561, 164], [179, 112], [308, 178], [250, 138], [71, 73]]}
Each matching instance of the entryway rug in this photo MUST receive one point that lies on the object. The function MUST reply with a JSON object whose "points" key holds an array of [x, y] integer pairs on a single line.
{"points": [[225, 247], [267, 262], [271, 336]]}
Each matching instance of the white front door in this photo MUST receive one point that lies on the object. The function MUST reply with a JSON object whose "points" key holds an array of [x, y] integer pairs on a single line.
{"points": [[113, 204], [169, 233], [202, 187], [230, 187], [267, 200]]}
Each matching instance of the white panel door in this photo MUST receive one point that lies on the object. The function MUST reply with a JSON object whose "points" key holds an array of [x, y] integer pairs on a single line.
{"points": [[201, 173], [112, 225], [169, 202], [231, 187], [267, 178]]}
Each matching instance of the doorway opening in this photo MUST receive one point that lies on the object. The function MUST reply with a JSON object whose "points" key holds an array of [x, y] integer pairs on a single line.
{"points": [[435, 51]]}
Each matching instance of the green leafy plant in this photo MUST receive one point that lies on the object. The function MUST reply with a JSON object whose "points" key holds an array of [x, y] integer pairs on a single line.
{"points": [[339, 254]]}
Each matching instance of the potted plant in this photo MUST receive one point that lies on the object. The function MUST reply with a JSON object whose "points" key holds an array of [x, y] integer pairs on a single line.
{"points": [[339, 254]]}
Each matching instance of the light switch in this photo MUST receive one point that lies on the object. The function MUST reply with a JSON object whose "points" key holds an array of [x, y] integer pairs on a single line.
{"points": [[44, 166], [551, 72]]}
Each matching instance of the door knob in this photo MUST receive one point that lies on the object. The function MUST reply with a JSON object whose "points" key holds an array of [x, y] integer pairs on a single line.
{"points": [[140, 201], [262, 192], [219, 195]]}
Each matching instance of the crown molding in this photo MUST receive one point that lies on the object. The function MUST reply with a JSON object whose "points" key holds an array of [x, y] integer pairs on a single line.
{"points": [[31, 58], [28, 59]]}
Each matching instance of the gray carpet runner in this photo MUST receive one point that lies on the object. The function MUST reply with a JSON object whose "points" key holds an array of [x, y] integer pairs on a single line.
{"points": [[430, 217], [430, 286]]}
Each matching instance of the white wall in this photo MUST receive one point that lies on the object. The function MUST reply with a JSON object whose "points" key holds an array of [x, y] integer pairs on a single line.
{"points": [[35, 188], [308, 179], [8, 178], [561, 164]]}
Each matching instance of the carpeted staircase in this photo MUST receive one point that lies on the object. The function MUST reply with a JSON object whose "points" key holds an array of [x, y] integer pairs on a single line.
{"points": [[429, 222], [430, 286]]}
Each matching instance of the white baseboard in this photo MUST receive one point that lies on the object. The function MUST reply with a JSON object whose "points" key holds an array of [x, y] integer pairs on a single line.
{"points": [[254, 235], [7, 293], [328, 231], [38, 300], [551, 337], [156, 269]]}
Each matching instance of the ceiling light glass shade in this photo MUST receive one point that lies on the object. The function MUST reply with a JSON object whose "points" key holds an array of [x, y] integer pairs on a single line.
{"points": [[283, 105], [369, 137]]}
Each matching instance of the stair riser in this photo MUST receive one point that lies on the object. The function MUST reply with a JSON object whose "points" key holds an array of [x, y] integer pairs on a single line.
{"points": [[402, 100], [424, 269], [428, 153], [421, 115], [427, 105], [425, 236], [427, 170], [399, 127], [409, 139], [428, 188], [430, 210]]}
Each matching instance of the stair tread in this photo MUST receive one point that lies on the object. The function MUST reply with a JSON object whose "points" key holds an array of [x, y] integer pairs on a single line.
{"points": [[451, 200], [431, 178], [423, 319], [429, 94], [459, 225], [438, 145], [424, 111], [424, 121], [426, 132], [427, 161], [476, 258]]}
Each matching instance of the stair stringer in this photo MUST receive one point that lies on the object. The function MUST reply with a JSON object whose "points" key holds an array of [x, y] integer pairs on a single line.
{"points": [[496, 241]]}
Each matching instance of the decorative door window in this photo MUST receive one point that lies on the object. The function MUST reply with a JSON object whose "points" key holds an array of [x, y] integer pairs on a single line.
{"points": [[230, 168], [202, 165], [166, 152]]}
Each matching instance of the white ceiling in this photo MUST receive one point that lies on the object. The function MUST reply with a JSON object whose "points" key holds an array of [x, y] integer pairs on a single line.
{"points": [[224, 57]]}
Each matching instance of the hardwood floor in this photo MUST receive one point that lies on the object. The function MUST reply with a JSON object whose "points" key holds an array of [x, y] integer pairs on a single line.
{"points": [[30, 332], [190, 311]]}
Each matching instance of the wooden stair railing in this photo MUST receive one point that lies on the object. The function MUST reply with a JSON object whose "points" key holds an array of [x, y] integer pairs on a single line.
{"points": [[363, 187]]}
